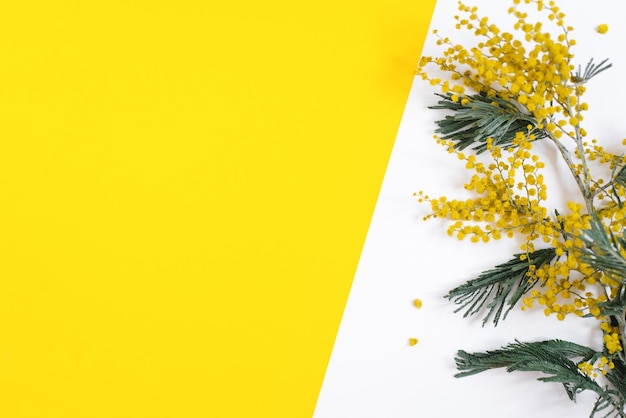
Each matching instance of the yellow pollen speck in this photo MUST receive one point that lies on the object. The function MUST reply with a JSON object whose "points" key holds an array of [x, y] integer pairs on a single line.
{"points": [[603, 28], [418, 303], [413, 341]]}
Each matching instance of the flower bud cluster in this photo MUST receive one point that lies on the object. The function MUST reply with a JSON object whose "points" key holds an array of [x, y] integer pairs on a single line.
{"points": [[536, 74]]}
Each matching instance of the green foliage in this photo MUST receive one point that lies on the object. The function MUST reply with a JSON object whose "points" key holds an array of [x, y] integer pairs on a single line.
{"points": [[602, 250], [499, 288], [591, 70], [617, 378], [553, 358], [526, 357], [483, 117], [620, 176]]}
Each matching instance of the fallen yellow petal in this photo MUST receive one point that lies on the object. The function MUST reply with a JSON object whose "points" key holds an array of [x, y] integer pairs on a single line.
{"points": [[413, 341], [418, 303]]}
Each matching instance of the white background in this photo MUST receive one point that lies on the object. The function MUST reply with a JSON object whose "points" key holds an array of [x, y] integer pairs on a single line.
{"points": [[373, 372]]}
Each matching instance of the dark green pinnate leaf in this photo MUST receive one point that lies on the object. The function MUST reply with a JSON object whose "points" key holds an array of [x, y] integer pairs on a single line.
{"points": [[483, 117], [603, 251], [554, 358], [591, 70], [499, 288]]}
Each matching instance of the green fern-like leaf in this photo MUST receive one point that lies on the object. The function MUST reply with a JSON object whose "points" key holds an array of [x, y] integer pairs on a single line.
{"points": [[617, 378], [517, 356], [499, 289], [591, 70], [553, 358], [619, 175], [483, 117], [602, 250]]}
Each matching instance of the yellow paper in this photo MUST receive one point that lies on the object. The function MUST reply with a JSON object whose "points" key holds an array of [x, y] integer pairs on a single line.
{"points": [[185, 188]]}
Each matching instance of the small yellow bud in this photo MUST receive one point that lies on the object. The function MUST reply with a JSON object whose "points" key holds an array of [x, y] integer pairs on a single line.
{"points": [[418, 303], [603, 28], [413, 341]]}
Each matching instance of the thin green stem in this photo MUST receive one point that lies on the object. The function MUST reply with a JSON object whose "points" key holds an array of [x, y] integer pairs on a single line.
{"points": [[572, 167], [581, 150]]}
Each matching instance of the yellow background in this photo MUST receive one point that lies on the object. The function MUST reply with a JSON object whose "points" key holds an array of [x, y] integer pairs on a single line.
{"points": [[185, 187]]}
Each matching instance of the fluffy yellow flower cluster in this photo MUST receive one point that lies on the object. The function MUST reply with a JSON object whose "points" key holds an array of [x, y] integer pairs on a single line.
{"points": [[536, 74], [510, 191], [603, 365]]}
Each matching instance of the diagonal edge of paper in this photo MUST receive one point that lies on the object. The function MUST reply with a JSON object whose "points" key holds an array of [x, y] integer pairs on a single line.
{"points": [[373, 370]]}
